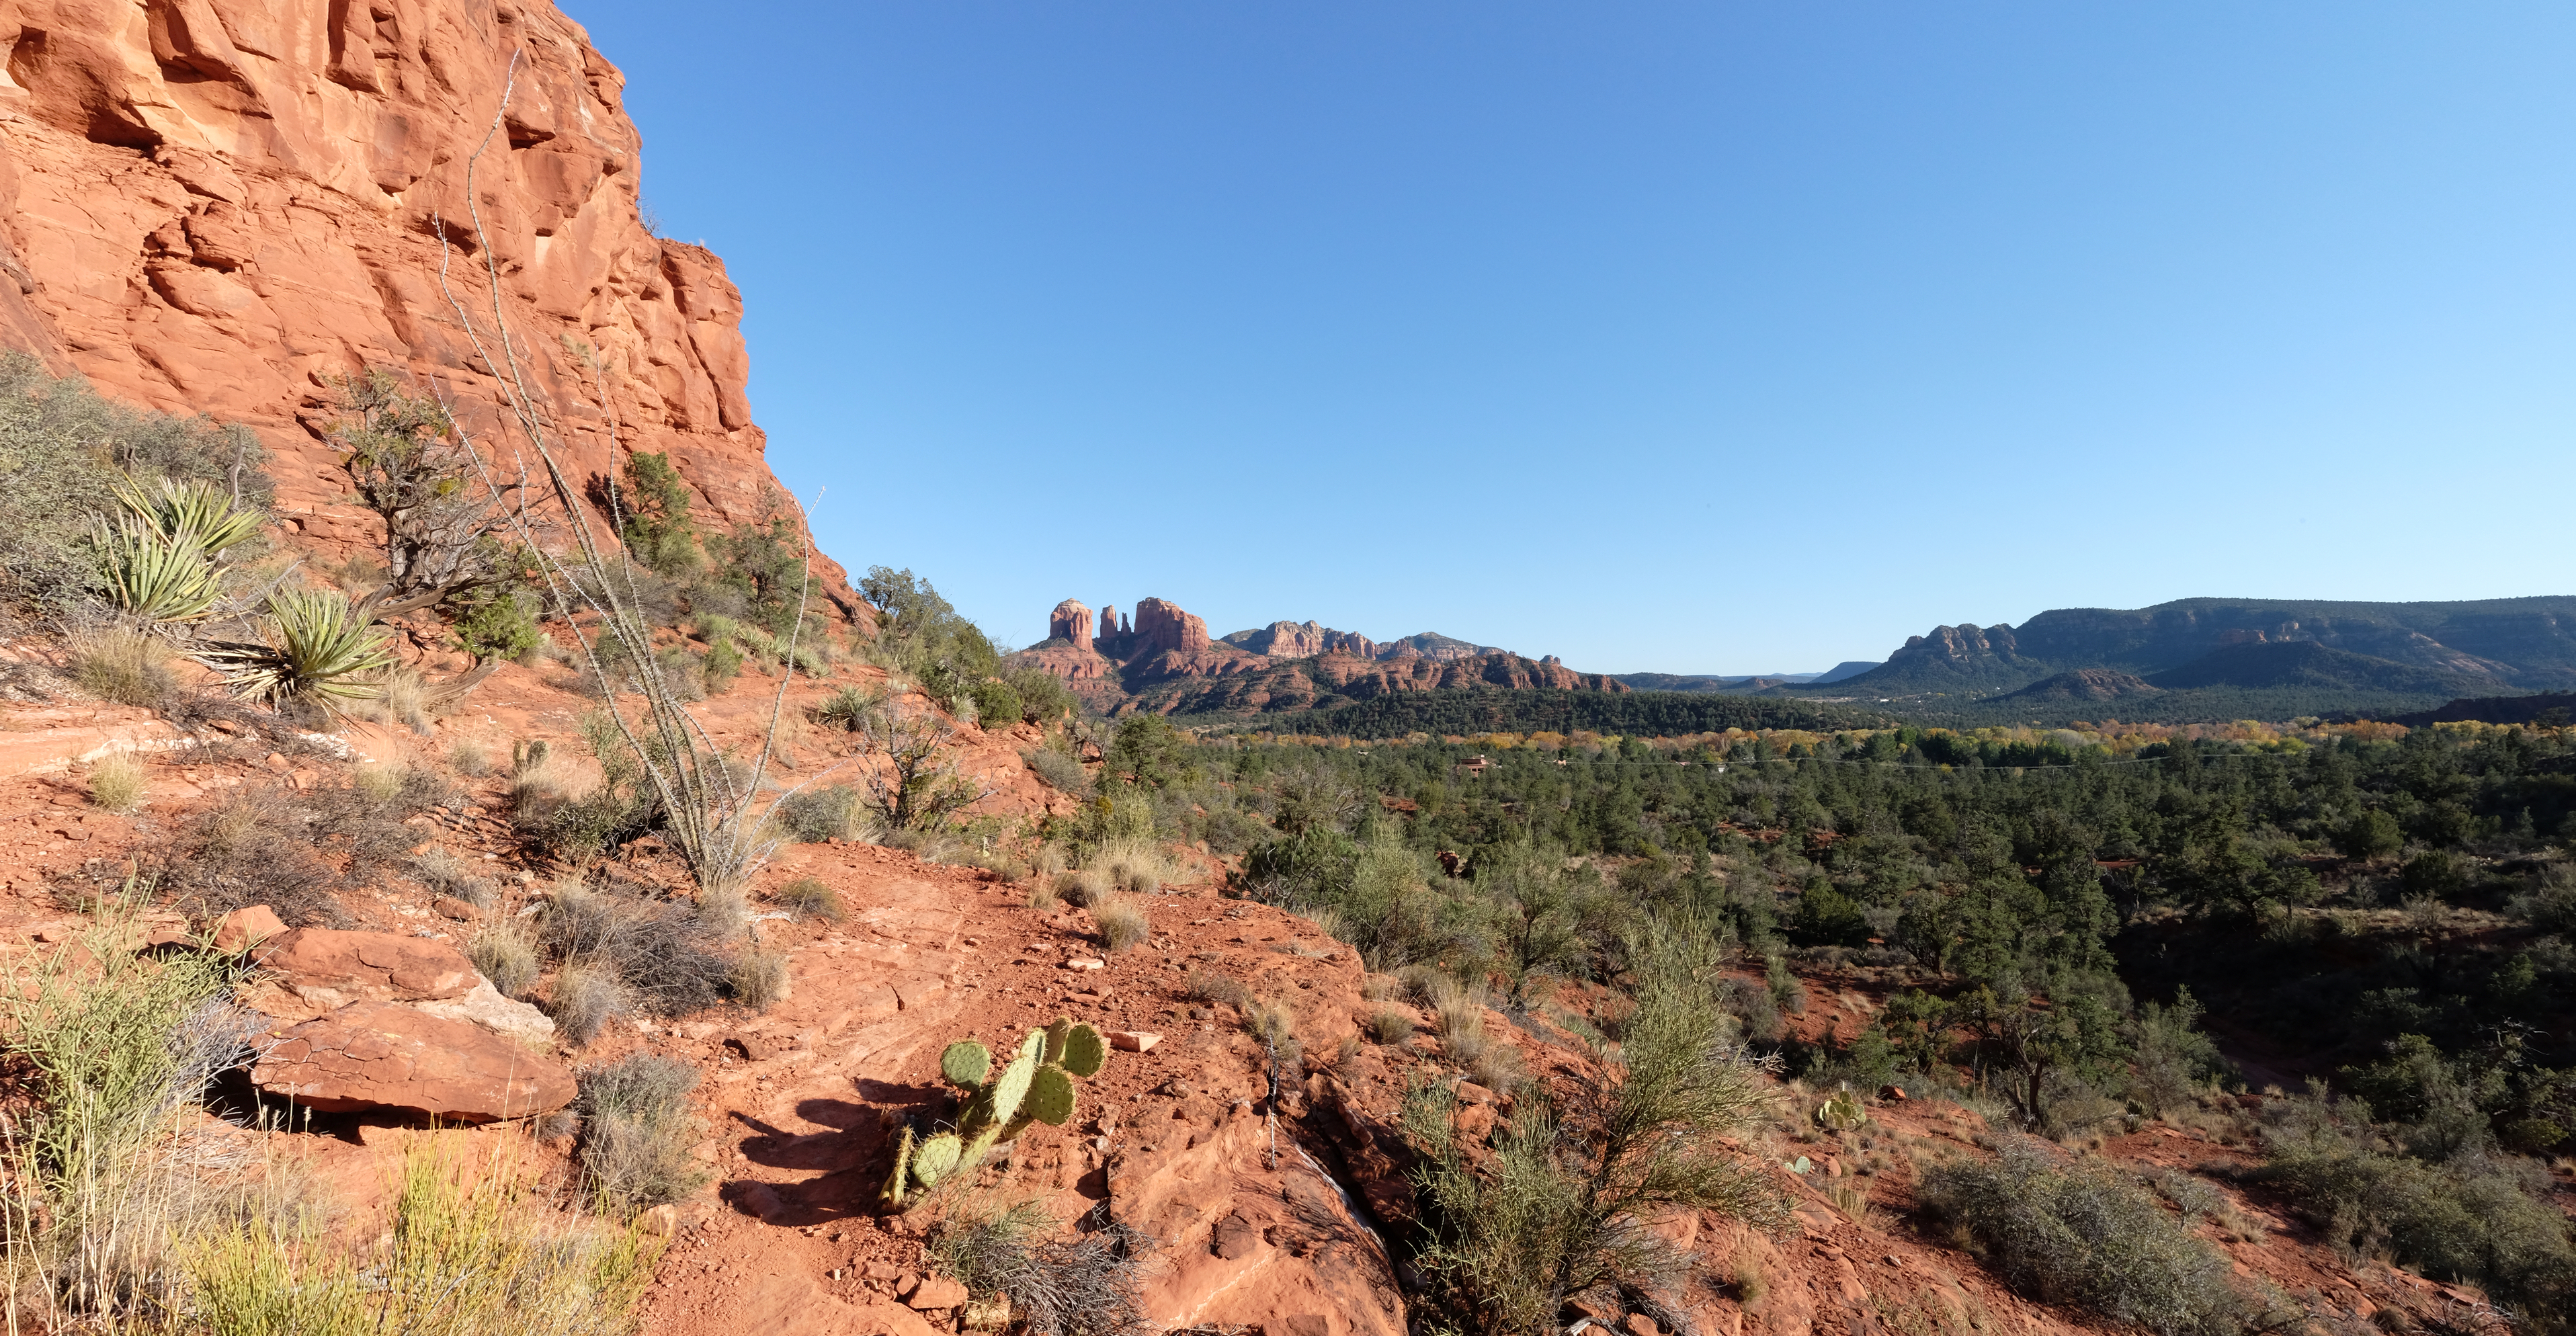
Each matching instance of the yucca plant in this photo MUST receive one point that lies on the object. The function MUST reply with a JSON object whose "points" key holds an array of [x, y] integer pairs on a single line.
{"points": [[159, 559], [152, 577], [191, 512], [317, 649]]}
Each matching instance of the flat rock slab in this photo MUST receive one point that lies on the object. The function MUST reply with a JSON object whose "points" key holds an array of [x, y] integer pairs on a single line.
{"points": [[333, 968], [382, 1055]]}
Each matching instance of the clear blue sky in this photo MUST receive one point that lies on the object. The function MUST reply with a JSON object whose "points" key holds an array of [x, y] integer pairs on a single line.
{"points": [[1692, 337]]}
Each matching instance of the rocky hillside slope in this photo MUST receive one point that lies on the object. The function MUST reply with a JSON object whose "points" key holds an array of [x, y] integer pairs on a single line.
{"points": [[1272, 1208], [219, 206]]}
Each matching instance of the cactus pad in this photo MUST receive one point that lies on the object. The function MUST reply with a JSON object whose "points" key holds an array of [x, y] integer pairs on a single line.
{"points": [[1084, 1051], [935, 1158], [1842, 1112], [1050, 1099], [1009, 1088], [966, 1064]]}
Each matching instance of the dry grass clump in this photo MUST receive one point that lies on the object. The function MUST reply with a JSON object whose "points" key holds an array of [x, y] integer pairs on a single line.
{"points": [[584, 998], [505, 956], [1081, 885], [759, 980], [1135, 866], [1121, 922], [1272, 1024], [1380, 987], [809, 898], [400, 698], [469, 758], [473, 1248], [446, 874], [124, 666], [1461, 1012], [637, 1131], [1042, 892], [117, 783], [1204, 986], [1499, 1069], [1387, 1025], [1088, 1285]]}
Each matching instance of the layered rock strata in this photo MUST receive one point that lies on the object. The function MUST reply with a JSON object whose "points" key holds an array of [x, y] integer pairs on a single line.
{"points": [[220, 206]]}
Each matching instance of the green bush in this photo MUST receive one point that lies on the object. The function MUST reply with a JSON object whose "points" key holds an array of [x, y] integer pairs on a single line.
{"points": [[997, 704], [63, 449], [1044, 698], [2080, 1233], [496, 622], [2464, 1216]]}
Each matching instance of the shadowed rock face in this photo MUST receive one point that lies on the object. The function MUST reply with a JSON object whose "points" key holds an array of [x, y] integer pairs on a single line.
{"points": [[220, 205]]}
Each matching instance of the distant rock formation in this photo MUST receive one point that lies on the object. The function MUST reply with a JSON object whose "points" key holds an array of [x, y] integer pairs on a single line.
{"points": [[1162, 628], [1070, 621], [1150, 662]]}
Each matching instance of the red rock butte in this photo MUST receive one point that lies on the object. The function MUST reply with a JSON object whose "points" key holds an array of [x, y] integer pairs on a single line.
{"points": [[219, 206]]}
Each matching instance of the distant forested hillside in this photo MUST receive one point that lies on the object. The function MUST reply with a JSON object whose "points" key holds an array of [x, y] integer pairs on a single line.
{"points": [[1629, 714]]}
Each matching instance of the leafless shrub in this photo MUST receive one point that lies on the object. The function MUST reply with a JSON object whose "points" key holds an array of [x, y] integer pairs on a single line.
{"points": [[250, 848], [637, 1131], [665, 956], [1089, 1285]]}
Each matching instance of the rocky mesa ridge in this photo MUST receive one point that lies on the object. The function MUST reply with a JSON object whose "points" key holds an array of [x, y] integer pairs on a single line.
{"points": [[1162, 659], [220, 206]]}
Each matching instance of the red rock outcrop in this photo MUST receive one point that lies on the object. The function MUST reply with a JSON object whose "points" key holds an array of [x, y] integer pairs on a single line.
{"points": [[383, 1055], [220, 205], [1163, 628], [334, 968], [1070, 621]]}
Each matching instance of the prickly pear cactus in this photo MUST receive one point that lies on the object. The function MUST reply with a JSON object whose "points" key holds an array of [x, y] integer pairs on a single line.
{"points": [[936, 1158], [1035, 1085], [901, 1178], [1050, 1098], [966, 1064], [1842, 1112], [1084, 1052]]}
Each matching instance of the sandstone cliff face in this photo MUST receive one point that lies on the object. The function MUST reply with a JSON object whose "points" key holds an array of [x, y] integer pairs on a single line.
{"points": [[1162, 628], [1070, 621], [218, 205]]}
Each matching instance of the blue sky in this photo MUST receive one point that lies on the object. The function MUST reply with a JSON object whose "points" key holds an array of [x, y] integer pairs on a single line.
{"points": [[1685, 337]]}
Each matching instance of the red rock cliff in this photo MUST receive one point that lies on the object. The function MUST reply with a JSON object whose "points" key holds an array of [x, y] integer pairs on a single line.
{"points": [[217, 205]]}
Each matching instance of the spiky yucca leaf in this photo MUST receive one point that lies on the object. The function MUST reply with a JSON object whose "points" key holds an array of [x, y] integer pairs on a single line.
{"points": [[317, 648], [193, 512], [152, 576]]}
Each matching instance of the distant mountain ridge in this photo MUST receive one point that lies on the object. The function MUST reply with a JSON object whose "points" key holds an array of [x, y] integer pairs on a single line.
{"points": [[2524, 643]]}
